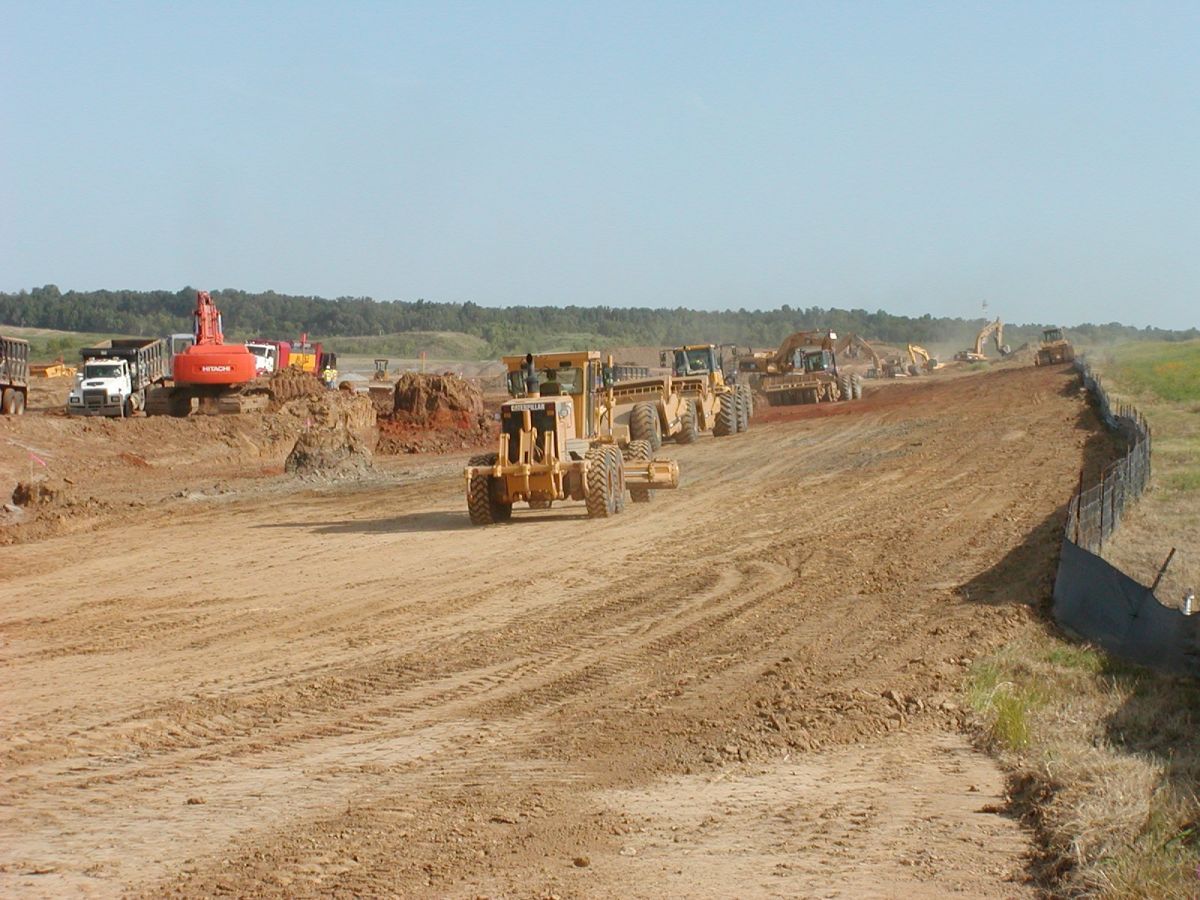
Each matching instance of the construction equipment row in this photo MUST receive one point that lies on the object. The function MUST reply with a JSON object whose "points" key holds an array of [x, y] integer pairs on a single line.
{"points": [[573, 431]]}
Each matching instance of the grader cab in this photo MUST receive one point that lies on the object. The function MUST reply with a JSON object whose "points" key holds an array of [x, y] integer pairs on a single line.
{"points": [[553, 444]]}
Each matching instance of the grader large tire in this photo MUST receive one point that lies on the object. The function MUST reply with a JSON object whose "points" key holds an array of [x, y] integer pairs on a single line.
{"points": [[639, 450], [644, 425], [844, 388], [743, 411], [617, 461], [749, 395], [603, 485], [689, 430], [856, 386], [482, 506], [727, 416]]}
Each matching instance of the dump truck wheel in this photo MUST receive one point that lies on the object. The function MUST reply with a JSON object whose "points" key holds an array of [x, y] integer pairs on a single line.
{"points": [[727, 416], [639, 450], [482, 507], [7, 399], [644, 425], [688, 430], [180, 407], [19, 403], [601, 484], [844, 388]]}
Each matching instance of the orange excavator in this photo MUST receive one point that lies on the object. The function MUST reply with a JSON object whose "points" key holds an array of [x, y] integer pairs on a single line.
{"points": [[217, 375]]}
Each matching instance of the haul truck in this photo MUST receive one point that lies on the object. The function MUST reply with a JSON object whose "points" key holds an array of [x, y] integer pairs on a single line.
{"points": [[116, 375]]}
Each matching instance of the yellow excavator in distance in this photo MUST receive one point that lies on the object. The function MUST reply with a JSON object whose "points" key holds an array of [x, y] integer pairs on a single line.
{"points": [[920, 360], [994, 330]]}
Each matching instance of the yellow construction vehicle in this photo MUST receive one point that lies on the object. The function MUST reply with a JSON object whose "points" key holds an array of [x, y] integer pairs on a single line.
{"points": [[1054, 348], [994, 330], [804, 370], [853, 346], [697, 380], [920, 360], [556, 443]]}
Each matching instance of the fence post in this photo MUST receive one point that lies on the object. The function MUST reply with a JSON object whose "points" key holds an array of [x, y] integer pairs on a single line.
{"points": [[1079, 504]]}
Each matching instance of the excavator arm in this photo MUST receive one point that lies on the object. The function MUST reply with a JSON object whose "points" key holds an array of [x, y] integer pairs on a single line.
{"points": [[853, 340], [782, 360]]}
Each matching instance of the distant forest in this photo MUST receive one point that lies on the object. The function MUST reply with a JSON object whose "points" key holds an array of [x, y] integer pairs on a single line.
{"points": [[502, 329]]}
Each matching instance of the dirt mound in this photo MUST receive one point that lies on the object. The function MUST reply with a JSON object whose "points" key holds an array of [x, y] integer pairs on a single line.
{"points": [[333, 443], [290, 384], [430, 399], [434, 413]]}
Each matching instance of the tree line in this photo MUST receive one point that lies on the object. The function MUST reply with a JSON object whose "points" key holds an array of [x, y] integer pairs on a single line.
{"points": [[510, 329]]}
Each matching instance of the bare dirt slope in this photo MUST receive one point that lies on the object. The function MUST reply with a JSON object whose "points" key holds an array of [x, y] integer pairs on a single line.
{"points": [[745, 688]]}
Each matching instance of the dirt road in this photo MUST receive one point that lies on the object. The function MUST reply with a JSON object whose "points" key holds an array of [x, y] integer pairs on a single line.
{"points": [[747, 687]]}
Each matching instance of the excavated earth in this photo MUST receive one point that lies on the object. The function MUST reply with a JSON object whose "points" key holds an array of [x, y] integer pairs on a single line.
{"points": [[228, 682]]}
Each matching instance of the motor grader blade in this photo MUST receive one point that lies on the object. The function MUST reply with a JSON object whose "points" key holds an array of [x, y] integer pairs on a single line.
{"points": [[657, 474]]}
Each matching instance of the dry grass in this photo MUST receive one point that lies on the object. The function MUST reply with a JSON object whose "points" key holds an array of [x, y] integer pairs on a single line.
{"points": [[1105, 756], [1106, 763]]}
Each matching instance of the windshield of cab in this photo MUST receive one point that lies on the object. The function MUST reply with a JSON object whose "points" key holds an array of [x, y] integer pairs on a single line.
{"points": [[551, 382], [263, 350], [693, 362], [1053, 334], [817, 361], [102, 370]]}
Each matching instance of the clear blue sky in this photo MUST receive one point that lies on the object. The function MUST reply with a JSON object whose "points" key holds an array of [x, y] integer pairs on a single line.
{"points": [[919, 157]]}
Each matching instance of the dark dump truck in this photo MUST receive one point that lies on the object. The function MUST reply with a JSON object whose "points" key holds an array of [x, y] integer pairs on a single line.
{"points": [[115, 375], [14, 375]]}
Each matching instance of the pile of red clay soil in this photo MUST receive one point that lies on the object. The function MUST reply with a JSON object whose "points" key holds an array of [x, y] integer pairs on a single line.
{"points": [[335, 440], [434, 414]]}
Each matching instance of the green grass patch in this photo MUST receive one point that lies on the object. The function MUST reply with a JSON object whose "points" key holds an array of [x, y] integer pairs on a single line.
{"points": [[1169, 371]]}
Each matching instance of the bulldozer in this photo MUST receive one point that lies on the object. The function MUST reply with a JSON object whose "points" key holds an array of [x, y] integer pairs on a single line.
{"points": [[994, 330], [804, 370], [557, 442], [921, 360], [1054, 348]]}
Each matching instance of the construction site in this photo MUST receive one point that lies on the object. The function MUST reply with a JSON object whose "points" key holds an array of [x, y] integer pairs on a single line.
{"points": [[296, 667]]}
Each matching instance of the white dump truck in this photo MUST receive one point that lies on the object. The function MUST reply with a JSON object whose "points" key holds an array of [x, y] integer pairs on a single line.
{"points": [[115, 375]]}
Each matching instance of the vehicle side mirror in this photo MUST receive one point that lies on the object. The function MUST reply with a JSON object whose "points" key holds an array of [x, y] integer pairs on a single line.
{"points": [[662, 358], [606, 376]]}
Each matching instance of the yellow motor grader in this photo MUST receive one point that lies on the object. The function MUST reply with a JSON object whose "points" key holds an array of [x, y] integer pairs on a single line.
{"points": [[708, 401], [557, 442]]}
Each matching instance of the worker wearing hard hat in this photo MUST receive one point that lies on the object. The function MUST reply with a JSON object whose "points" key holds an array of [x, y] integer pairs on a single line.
{"points": [[329, 377]]}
